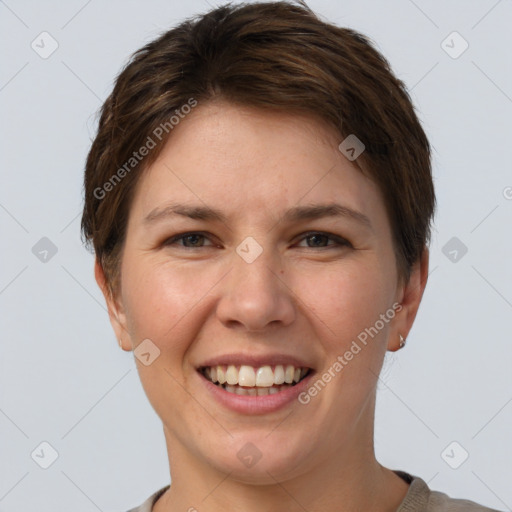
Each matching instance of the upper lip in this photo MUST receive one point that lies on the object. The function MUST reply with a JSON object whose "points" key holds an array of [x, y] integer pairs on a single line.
{"points": [[255, 361]]}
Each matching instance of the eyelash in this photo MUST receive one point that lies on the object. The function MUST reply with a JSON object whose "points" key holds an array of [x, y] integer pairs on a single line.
{"points": [[339, 241]]}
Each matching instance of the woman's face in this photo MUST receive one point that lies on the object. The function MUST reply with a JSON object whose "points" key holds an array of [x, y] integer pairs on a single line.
{"points": [[254, 286]]}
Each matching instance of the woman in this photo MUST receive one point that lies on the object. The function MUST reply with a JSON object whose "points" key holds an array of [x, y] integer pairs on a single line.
{"points": [[259, 197]]}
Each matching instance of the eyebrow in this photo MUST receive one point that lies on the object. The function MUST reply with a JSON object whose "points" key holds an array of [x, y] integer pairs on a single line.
{"points": [[297, 213]]}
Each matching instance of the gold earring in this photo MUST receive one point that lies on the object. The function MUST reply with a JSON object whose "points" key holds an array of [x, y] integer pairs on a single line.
{"points": [[402, 341], [120, 341]]}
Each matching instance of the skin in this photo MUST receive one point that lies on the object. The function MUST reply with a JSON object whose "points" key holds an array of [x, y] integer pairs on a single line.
{"points": [[302, 296]]}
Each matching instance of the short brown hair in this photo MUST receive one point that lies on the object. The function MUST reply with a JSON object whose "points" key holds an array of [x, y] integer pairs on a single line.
{"points": [[272, 55]]}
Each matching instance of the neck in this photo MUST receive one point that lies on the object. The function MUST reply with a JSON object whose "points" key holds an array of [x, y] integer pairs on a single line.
{"points": [[342, 490], [349, 480]]}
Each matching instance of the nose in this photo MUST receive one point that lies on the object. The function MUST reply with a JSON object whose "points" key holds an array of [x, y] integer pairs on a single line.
{"points": [[255, 296]]}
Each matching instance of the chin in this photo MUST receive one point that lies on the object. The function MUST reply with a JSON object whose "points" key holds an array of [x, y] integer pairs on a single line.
{"points": [[260, 459]]}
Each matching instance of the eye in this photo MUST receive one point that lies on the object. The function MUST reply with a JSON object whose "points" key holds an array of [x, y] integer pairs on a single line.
{"points": [[318, 239], [192, 239]]}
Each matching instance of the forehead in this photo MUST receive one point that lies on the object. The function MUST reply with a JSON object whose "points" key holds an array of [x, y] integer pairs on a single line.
{"points": [[246, 160]]}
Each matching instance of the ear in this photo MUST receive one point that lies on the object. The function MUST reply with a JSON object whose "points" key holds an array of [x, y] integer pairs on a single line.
{"points": [[115, 309], [409, 297]]}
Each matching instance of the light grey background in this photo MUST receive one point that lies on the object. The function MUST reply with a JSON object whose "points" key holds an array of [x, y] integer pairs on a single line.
{"points": [[63, 378]]}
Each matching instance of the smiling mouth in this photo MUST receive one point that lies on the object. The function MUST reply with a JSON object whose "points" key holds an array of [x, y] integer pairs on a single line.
{"points": [[250, 381]]}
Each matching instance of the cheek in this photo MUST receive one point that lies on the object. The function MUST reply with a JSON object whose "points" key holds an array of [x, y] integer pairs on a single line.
{"points": [[158, 302], [345, 301], [162, 304]]}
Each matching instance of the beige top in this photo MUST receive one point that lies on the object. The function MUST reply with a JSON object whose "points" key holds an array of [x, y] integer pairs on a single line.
{"points": [[419, 498]]}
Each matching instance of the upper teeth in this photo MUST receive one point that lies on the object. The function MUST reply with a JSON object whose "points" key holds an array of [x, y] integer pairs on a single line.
{"points": [[248, 376]]}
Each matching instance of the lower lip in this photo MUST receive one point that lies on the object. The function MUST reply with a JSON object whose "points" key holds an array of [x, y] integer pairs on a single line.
{"points": [[247, 404]]}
